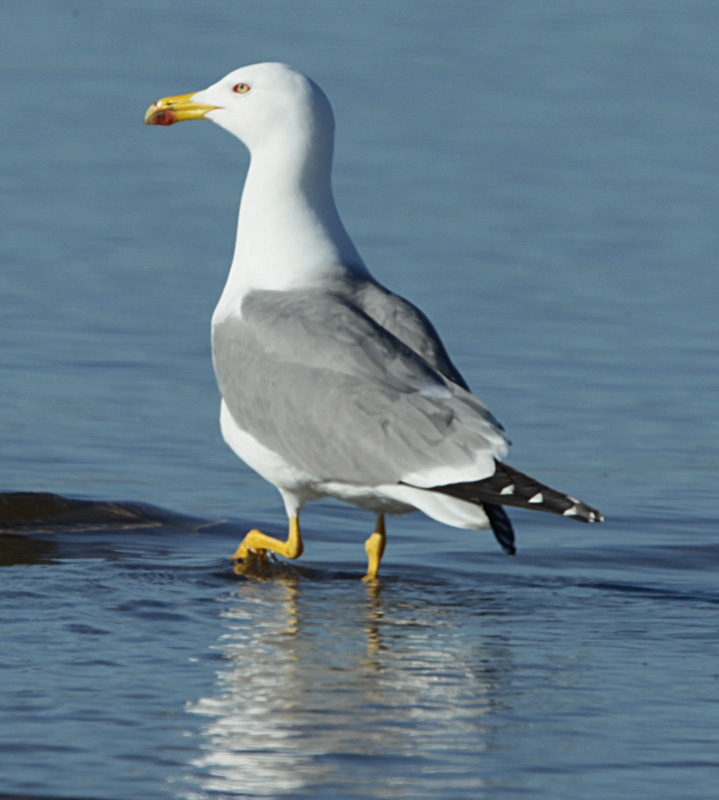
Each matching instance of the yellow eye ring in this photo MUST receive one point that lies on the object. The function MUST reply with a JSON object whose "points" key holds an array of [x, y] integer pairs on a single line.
{"points": [[241, 88]]}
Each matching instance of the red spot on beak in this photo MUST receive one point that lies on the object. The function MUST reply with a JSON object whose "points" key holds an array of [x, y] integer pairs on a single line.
{"points": [[163, 118]]}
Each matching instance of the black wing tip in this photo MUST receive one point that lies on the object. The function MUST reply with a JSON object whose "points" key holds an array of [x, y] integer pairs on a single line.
{"points": [[510, 487]]}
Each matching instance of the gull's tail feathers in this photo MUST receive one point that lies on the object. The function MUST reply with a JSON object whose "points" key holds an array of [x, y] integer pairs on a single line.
{"points": [[509, 487]]}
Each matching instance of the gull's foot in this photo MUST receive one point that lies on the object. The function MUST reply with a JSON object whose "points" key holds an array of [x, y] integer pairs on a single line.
{"points": [[255, 564], [251, 557]]}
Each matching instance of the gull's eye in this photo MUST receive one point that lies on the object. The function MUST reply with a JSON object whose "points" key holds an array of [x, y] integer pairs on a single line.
{"points": [[241, 88]]}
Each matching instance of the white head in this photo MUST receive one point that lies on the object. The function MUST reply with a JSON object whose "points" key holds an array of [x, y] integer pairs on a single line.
{"points": [[262, 105]]}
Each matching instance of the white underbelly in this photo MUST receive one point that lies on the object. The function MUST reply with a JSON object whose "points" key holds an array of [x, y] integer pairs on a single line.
{"points": [[265, 462]]}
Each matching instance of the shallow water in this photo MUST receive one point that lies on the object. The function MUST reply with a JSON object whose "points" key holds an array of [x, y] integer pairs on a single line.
{"points": [[136, 664], [542, 181]]}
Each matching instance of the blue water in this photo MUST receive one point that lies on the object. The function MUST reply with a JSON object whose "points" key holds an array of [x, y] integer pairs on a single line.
{"points": [[542, 180]]}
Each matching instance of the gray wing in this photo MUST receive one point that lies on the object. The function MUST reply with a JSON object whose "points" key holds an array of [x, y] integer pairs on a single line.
{"points": [[315, 379], [409, 325]]}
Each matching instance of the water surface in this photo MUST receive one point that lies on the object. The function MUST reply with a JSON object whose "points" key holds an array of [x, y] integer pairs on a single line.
{"points": [[542, 181]]}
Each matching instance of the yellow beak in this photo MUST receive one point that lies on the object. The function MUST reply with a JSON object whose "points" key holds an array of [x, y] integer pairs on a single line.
{"points": [[175, 109]]}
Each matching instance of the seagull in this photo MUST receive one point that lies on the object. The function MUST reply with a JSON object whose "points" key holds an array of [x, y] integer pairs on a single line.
{"points": [[332, 385]]}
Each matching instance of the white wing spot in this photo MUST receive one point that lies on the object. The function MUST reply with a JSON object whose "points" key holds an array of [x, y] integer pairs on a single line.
{"points": [[537, 498], [435, 391], [571, 511], [508, 489]]}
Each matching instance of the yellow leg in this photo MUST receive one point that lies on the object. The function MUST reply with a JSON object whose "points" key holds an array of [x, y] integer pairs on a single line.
{"points": [[257, 542], [375, 547]]}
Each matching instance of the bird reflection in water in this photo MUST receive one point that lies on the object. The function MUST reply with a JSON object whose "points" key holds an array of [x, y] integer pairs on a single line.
{"points": [[373, 629], [320, 681]]}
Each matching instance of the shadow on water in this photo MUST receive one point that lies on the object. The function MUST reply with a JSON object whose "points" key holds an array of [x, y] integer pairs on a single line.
{"points": [[39, 526], [40, 512]]}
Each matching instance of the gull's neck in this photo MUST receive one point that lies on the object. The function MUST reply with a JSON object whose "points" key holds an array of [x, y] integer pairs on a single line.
{"points": [[289, 234]]}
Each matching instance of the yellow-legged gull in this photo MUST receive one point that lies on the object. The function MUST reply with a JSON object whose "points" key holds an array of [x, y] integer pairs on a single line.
{"points": [[333, 386]]}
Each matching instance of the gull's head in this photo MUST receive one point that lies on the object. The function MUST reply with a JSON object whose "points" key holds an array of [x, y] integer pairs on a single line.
{"points": [[258, 104]]}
